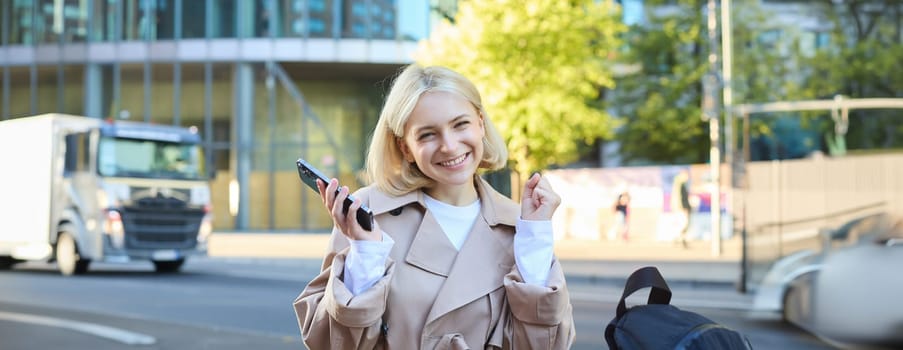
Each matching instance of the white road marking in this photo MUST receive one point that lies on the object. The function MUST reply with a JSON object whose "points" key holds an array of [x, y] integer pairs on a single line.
{"points": [[115, 334]]}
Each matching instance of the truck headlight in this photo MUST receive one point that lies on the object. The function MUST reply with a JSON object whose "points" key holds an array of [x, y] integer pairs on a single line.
{"points": [[112, 226], [206, 224]]}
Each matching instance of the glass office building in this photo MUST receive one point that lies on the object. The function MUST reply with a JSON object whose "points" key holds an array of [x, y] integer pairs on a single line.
{"points": [[264, 81]]}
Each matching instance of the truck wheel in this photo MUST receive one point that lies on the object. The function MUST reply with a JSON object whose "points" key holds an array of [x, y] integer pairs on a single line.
{"points": [[168, 266], [68, 260]]}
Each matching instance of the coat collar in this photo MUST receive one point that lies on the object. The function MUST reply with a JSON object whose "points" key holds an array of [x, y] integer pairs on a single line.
{"points": [[495, 207]]}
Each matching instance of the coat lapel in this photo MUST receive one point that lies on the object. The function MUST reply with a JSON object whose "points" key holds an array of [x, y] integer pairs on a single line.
{"points": [[431, 250], [485, 257], [478, 270]]}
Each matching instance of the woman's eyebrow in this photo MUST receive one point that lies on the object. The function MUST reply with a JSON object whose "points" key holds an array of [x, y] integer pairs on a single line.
{"points": [[459, 117], [422, 128], [431, 126]]}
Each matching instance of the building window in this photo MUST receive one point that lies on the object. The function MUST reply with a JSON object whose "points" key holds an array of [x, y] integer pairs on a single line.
{"points": [[103, 21], [194, 19], [822, 40], [224, 18], [165, 23], [321, 18], [317, 26], [358, 30], [292, 14], [316, 5], [369, 19], [773, 40], [11, 17]]}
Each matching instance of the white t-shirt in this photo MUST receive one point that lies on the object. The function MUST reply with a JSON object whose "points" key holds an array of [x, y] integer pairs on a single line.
{"points": [[455, 221]]}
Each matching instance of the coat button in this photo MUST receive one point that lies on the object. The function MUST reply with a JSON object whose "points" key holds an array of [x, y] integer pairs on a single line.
{"points": [[396, 211]]}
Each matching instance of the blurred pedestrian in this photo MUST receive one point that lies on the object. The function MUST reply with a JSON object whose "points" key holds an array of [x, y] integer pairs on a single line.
{"points": [[680, 205], [620, 227], [450, 263]]}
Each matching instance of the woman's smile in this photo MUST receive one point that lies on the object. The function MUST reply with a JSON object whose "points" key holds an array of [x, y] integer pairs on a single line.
{"points": [[454, 163]]}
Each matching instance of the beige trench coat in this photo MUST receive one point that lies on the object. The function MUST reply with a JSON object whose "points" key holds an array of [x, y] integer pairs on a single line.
{"points": [[432, 296]]}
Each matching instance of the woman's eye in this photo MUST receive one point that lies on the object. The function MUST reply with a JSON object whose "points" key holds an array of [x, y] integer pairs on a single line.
{"points": [[425, 136], [462, 124]]}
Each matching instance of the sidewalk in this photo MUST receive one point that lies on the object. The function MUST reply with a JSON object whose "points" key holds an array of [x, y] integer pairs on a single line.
{"points": [[584, 261], [612, 261]]}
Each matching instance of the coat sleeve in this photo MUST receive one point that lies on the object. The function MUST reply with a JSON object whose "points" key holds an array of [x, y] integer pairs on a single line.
{"points": [[541, 317], [330, 316]]}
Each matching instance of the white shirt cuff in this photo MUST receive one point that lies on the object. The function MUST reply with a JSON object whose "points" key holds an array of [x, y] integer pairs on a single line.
{"points": [[366, 263], [533, 245]]}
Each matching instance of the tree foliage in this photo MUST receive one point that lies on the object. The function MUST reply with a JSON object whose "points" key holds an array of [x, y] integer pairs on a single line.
{"points": [[856, 55], [661, 100], [861, 61], [540, 66], [767, 68]]}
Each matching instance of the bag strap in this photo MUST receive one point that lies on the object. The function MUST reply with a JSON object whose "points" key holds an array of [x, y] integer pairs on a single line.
{"points": [[648, 276]]}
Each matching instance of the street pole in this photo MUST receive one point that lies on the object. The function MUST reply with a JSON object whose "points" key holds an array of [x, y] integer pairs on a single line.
{"points": [[710, 112], [727, 91], [729, 135]]}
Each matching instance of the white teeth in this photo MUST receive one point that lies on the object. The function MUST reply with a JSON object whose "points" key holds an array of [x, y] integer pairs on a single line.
{"points": [[455, 161]]}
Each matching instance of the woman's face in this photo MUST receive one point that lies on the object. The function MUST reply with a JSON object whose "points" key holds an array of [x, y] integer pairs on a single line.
{"points": [[444, 136]]}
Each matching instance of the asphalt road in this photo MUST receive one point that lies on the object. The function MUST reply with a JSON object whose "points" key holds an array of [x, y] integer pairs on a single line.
{"points": [[242, 303]]}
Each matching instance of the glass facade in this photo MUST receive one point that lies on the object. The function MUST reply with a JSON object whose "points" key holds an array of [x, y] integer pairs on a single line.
{"points": [[264, 81], [29, 22]]}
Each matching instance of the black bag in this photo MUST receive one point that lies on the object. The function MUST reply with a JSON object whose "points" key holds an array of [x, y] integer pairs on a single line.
{"points": [[659, 325]]}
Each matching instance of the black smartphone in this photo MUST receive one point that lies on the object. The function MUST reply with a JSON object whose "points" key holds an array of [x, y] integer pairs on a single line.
{"points": [[309, 176]]}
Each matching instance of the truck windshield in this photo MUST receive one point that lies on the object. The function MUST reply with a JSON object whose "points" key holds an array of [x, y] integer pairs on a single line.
{"points": [[124, 157]]}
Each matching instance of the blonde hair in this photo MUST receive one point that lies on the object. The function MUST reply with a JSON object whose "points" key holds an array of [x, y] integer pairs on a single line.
{"points": [[385, 165]]}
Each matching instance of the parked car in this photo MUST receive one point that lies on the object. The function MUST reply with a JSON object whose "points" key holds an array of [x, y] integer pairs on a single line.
{"points": [[849, 293]]}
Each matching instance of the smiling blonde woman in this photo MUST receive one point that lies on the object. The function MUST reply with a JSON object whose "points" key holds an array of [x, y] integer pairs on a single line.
{"points": [[450, 263]]}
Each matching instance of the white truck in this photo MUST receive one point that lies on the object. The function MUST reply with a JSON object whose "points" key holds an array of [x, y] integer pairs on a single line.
{"points": [[75, 189]]}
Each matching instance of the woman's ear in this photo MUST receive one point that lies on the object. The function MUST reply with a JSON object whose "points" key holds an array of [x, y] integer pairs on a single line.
{"points": [[482, 125], [405, 152]]}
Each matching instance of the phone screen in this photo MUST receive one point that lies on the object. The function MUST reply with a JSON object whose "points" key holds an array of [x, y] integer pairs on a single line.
{"points": [[309, 176]]}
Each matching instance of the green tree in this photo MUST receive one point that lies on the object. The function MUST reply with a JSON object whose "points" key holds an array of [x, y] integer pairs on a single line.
{"points": [[660, 100], [857, 55], [540, 65], [767, 64], [862, 60]]}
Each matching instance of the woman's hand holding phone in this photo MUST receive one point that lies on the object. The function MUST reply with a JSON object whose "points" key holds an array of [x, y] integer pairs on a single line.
{"points": [[333, 200]]}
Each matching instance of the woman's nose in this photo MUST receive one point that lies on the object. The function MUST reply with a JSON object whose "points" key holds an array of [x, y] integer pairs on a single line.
{"points": [[449, 142]]}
